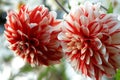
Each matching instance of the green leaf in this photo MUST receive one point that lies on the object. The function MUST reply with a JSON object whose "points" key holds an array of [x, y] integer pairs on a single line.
{"points": [[26, 68], [110, 9], [43, 74], [79, 3], [8, 58], [117, 76], [63, 73], [69, 7]]}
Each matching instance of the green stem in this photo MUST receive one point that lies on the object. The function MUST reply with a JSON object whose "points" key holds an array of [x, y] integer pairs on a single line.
{"points": [[61, 6], [104, 8]]}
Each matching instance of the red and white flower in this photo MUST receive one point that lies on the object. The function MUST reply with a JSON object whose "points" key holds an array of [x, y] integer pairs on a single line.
{"points": [[91, 41], [32, 34]]}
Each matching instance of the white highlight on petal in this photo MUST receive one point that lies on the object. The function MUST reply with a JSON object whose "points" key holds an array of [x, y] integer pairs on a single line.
{"points": [[83, 56], [87, 60], [74, 52], [61, 36], [13, 18], [85, 30], [38, 13], [45, 48], [91, 52], [103, 50], [34, 49], [84, 20], [54, 14], [14, 35], [36, 62], [44, 21], [6, 33], [77, 26], [39, 52], [26, 17], [32, 25], [84, 49], [22, 34], [98, 43], [27, 52], [32, 57], [10, 29]]}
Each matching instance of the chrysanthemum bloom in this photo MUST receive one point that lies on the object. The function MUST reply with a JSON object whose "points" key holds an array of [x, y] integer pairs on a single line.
{"points": [[32, 34], [91, 41]]}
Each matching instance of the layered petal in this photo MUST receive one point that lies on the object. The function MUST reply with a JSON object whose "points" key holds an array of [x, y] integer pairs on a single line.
{"points": [[90, 40], [32, 34]]}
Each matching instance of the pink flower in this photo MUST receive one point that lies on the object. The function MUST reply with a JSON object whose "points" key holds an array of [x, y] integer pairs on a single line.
{"points": [[32, 34], [91, 41]]}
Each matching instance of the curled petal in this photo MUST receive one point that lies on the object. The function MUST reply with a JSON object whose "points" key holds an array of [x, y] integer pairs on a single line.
{"points": [[91, 40], [115, 38], [33, 37]]}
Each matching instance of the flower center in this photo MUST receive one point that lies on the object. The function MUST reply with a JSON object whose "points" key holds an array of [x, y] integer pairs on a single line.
{"points": [[74, 44], [22, 46]]}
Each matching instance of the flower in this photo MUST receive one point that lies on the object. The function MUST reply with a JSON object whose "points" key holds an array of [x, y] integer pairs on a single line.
{"points": [[32, 34], [90, 40]]}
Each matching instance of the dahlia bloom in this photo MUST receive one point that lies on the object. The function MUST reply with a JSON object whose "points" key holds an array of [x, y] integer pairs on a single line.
{"points": [[90, 40], [32, 34]]}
